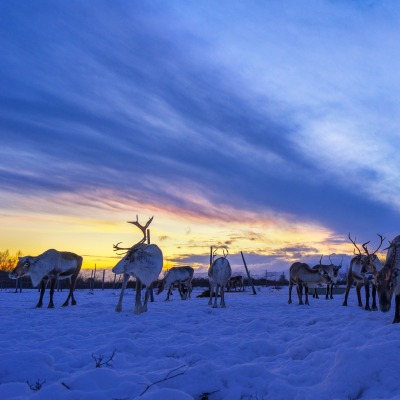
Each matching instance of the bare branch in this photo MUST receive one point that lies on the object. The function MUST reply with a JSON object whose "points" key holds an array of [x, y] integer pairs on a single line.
{"points": [[168, 376], [99, 359]]}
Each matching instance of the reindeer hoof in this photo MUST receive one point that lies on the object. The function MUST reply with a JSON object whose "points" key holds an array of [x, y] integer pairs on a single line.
{"points": [[118, 309]]}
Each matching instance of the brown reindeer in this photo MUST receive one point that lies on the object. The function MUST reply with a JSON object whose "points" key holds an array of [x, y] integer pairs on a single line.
{"points": [[387, 280], [235, 282], [301, 275], [361, 273]]}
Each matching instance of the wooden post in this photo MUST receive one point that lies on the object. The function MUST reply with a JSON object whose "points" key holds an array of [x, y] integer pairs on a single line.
{"points": [[102, 283], [210, 255], [115, 277], [248, 274], [91, 281], [94, 276]]}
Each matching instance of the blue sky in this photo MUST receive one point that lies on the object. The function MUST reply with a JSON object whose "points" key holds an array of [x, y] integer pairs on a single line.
{"points": [[274, 123]]}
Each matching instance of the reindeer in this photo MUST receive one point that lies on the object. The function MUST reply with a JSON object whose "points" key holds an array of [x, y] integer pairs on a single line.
{"points": [[387, 280], [142, 261], [361, 273], [219, 273], [333, 273], [234, 282], [302, 275], [178, 275], [50, 266]]}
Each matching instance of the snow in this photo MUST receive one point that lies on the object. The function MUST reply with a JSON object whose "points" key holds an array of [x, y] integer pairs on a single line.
{"points": [[258, 347]]}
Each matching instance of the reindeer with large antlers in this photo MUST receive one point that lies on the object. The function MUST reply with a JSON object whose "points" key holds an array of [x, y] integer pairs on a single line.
{"points": [[363, 268], [142, 261], [219, 273], [387, 280]]}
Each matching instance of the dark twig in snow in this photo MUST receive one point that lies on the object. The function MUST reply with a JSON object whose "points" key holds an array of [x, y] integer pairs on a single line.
{"points": [[37, 385], [99, 359], [170, 375]]}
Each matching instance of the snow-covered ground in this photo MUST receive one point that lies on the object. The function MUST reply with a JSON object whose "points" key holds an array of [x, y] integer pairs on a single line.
{"points": [[259, 347]]}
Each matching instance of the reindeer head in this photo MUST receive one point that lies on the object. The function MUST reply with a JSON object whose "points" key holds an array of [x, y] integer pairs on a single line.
{"points": [[22, 267], [386, 278], [369, 261]]}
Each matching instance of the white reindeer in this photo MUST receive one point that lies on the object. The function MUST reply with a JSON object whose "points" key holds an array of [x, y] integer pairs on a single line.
{"points": [[142, 261], [180, 276], [363, 268], [219, 273], [50, 266], [302, 275], [387, 280]]}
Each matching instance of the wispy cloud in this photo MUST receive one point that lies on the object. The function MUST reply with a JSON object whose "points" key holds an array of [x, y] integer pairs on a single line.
{"points": [[281, 118]]}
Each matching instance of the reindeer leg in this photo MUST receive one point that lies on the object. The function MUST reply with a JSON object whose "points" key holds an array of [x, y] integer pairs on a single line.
{"points": [[306, 294], [222, 297], [211, 294], [358, 290], [331, 291], [215, 305], [42, 290], [348, 287], [146, 299], [290, 292], [327, 291], [367, 307], [52, 286], [299, 288], [118, 307], [71, 285], [169, 292], [396, 319], [374, 307], [138, 298], [180, 290]]}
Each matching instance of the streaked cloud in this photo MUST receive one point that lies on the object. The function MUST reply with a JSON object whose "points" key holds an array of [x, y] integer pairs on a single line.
{"points": [[268, 128]]}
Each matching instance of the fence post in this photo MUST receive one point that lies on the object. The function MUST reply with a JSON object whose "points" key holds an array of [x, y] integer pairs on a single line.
{"points": [[115, 277], [102, 284], [248, 274]]}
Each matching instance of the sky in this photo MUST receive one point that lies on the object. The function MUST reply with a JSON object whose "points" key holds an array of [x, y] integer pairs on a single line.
{"points": [[268, 127], [258, 347]]}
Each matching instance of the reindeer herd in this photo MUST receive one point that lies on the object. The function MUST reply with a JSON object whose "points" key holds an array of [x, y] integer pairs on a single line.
{"points": [[365, 270], [144, 261]]}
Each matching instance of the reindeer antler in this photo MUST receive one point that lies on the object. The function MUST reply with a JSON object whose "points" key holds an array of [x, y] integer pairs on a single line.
{"points": [[223, 251], [320, 260], [380, 244], [354, 242], [142, 228]]}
